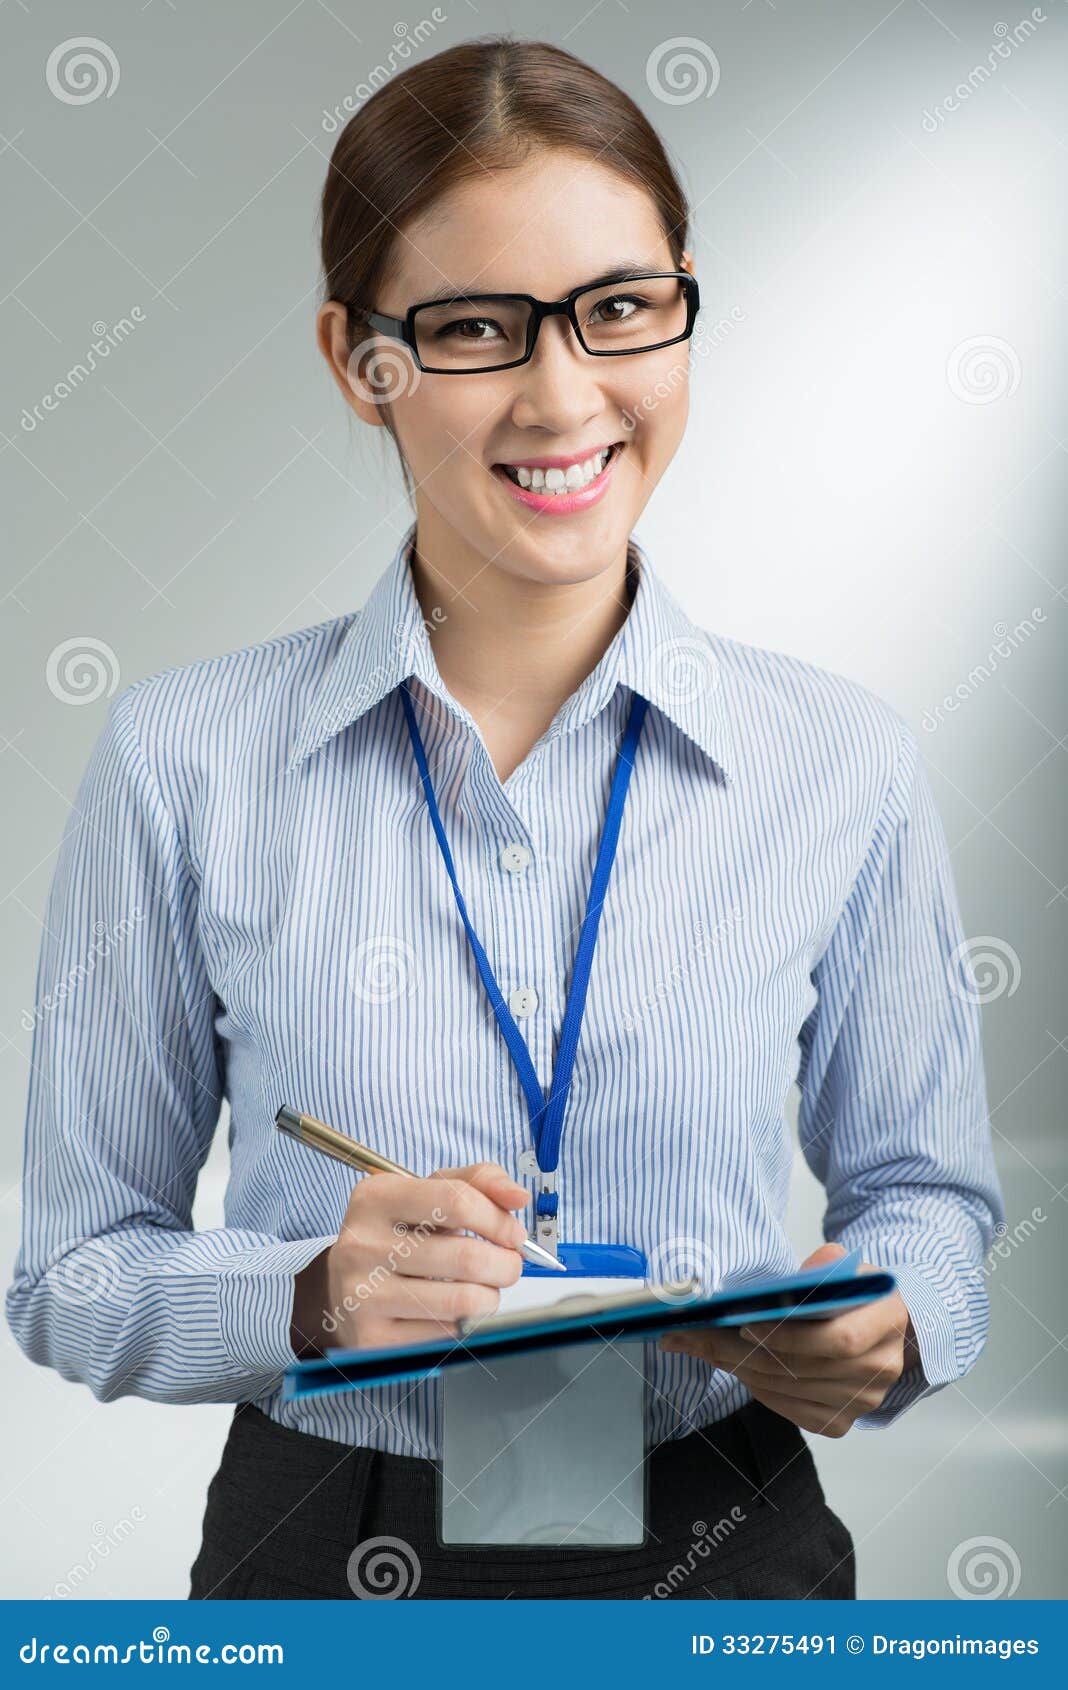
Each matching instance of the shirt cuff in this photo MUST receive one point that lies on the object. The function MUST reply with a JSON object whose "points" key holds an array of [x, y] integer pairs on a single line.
{"points": [[936, 1341], [256, 1305]]}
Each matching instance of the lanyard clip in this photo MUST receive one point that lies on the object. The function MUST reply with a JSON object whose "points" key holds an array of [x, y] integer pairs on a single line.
{"points": [[544, 1230]]}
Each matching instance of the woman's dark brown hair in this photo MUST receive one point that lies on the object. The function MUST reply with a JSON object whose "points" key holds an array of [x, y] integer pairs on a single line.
{"points": [[483, 105]]}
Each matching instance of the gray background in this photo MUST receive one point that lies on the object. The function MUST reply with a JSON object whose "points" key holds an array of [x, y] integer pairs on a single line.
{"points": [[858, 485]]}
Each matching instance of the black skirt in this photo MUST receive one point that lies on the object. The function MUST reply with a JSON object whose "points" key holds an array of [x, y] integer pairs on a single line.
{"points": [[735, 1510]]}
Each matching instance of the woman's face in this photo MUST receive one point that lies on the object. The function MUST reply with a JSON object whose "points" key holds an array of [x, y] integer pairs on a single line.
{"points": [[543, 228]]}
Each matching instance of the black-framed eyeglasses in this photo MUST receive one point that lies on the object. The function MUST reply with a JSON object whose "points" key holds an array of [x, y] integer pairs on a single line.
{"points": [[655, 309]]}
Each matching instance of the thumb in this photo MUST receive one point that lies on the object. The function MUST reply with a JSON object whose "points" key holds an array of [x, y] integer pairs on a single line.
{"points": [[826, 1254]]}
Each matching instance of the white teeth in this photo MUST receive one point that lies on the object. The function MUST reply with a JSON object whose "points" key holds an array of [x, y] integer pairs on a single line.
{"points": [[563, 481]]}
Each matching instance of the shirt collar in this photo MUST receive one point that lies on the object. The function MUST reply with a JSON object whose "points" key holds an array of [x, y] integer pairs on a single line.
{"points": [[658, 652]]}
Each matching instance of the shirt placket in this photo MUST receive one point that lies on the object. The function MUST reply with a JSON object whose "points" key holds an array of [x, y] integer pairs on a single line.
{"points": [[512, 902]]}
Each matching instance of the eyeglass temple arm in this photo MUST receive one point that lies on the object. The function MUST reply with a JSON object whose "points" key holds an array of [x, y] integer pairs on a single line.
{"points": [[394, 326]]}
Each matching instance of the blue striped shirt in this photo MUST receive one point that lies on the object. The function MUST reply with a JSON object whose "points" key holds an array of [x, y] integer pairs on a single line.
{"points": [[249, 903]]}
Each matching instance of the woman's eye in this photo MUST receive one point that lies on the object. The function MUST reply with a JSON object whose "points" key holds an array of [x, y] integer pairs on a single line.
{"points": [[610, 306], [467, 323]]}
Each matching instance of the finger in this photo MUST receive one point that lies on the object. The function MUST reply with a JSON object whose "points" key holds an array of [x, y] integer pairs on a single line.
{"points": [[841, 1336], [448, 1202], [388, 1334], [436, 1300], [457, 1256], [860, 1396], [494, 1181], [810, 1416], [727, 1349], [479, 1200], [823, 1256]]}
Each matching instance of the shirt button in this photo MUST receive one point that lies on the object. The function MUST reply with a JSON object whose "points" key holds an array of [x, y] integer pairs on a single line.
{"points": [[515, 858], [523, 1001]]}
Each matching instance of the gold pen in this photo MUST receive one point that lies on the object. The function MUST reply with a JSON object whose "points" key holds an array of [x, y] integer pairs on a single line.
{"points": [[318, 1136]]}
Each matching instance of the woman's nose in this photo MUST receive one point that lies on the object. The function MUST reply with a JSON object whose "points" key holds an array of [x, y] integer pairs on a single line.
{"points": [[560, 384]]}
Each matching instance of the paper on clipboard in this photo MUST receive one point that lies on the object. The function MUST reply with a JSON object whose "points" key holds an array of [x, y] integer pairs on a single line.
{"points": [[546, 1447]]}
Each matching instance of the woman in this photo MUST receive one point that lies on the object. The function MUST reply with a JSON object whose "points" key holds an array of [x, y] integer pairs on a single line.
{"points": [[781, 908]]}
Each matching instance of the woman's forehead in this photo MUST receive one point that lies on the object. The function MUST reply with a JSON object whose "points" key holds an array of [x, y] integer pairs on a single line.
{"points": [[543, 229]]}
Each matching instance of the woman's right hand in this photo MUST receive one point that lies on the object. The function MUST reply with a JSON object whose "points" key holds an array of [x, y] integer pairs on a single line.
{"points": [[402, 1270]]}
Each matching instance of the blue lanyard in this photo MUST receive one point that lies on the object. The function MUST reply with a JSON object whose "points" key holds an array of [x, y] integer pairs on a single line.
{"points": [[546, 1114]]}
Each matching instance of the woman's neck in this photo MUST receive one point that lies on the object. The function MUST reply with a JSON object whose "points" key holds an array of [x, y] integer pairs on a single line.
{"points": [[512, 650]]}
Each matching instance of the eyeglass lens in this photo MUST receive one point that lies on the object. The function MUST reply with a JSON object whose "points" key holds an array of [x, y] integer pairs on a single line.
{"points": [[475, 333]]}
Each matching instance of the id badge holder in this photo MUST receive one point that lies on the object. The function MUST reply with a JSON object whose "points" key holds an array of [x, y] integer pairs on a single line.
{"points": [[549, 1448]]}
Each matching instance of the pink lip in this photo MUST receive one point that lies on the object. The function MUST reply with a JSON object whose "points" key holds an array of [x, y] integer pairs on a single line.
{"points": [[560, 504]]}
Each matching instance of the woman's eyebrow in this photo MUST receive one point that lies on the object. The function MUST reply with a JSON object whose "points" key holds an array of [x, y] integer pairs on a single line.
{"points": [[619, 272]]}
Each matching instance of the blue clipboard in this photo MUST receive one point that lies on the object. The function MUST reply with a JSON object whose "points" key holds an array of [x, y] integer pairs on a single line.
{"points": [[635, 1315]]}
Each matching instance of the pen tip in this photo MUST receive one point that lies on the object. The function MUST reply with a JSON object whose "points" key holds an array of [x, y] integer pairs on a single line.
{"points": [[544, 1258]]}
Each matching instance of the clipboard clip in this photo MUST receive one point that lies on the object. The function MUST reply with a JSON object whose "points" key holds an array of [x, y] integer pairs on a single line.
{"points": [[544, 1229]]}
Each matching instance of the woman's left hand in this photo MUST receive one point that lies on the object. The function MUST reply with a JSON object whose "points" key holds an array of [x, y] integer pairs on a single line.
{"points": [[821, 1374]]}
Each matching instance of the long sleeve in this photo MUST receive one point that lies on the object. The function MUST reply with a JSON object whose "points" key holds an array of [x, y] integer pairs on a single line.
{"points": [[893, 1111], [112, 1285]]}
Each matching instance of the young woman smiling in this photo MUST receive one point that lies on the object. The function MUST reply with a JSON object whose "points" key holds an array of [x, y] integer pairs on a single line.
{"points": [[509, 293]]}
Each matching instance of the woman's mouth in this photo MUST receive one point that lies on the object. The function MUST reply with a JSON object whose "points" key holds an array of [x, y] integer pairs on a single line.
{"points": [[559, 491]]}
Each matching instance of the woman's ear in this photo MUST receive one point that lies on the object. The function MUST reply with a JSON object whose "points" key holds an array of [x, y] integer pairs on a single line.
{"points": [[331, 333], [687, 262]]}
